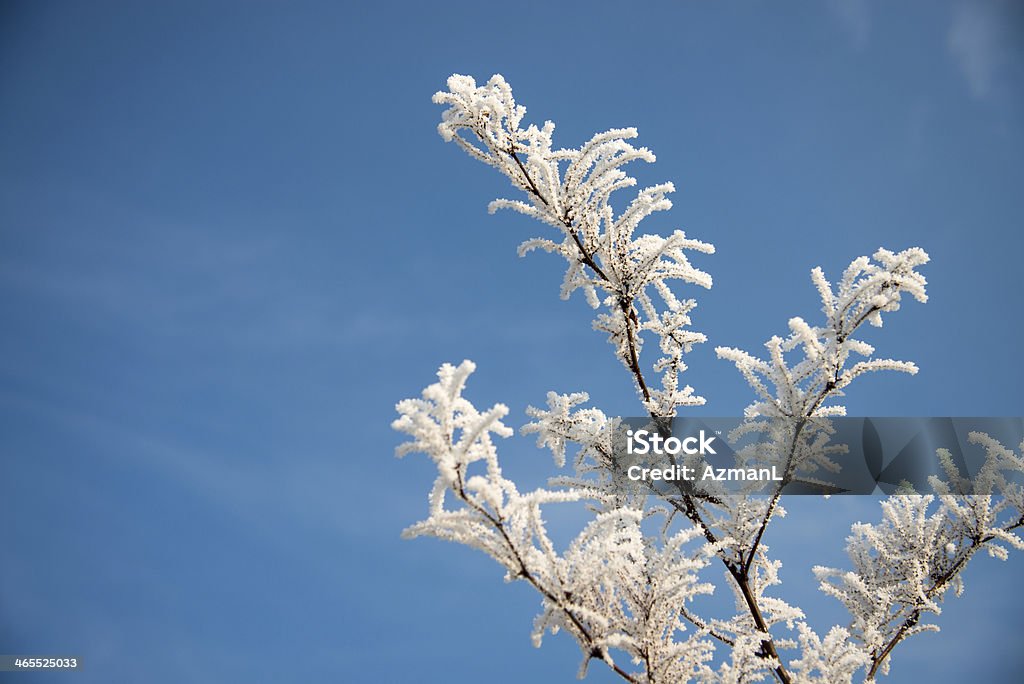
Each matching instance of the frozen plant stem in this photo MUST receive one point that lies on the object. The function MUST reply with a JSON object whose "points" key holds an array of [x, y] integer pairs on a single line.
{"points": [[523, 573], [738, 572], [939, 585], [586, 259]]}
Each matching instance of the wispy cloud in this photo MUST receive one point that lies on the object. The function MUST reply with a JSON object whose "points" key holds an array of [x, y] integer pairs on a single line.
{"points": [[174, 285], [974, 43], [300, 487], [855, 19]]}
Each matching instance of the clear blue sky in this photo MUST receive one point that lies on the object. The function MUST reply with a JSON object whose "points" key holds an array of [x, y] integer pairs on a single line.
{"points": [[231, 240]]}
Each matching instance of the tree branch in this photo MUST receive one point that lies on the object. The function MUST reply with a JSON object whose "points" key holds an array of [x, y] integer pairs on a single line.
{"points": [[689, 509], [523, 572], [829, 387], [911, 621]]}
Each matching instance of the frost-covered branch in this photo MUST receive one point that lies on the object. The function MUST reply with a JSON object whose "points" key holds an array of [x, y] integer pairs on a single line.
{"points": [[622, 275], [903, 566], [611, 589], [799, 392], [617, 588], [867, 289], [603, 257]]}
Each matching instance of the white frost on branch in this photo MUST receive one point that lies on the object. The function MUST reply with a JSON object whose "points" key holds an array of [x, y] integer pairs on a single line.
{"points": [[623, 274], [905, 565], [613, 588], [493, 516], [618, 589], [868, 288], [832, 660]]}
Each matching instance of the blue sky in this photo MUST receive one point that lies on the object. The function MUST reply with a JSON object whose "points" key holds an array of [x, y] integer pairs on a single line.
{"points": [[231, 240]]}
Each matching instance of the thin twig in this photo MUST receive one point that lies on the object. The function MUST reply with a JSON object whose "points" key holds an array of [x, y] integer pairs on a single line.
{"points": [[588, 641], [911, 621]]}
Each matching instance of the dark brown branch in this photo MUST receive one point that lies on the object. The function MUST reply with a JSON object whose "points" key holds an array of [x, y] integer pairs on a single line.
{"points": [[915, 616], [818, 401], [689, 508], [767, 645], [700, 624], [748, 562], [588, 641], [532, 187], [587, 259]]}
